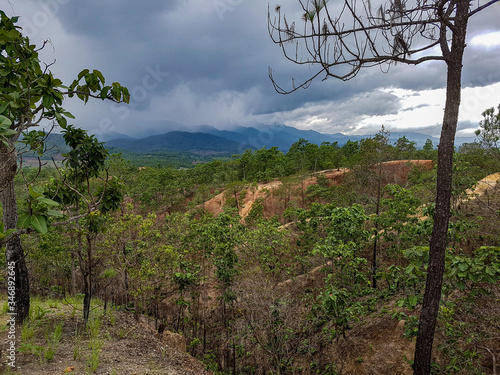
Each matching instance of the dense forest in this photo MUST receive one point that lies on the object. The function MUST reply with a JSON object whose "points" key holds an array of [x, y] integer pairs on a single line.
{"points": [[307, 263]]}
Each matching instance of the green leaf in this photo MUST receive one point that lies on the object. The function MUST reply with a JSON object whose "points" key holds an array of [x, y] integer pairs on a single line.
{"points": [[47, 201], [7, 132], [3, 107], [34, 193], [99, 75], [4, 121], [63, 123], [68, 114], [47, 101], [24, 221], [83, 73], [39, 223], [105, 92], [474, 277], [54, 213], [463, 266]]}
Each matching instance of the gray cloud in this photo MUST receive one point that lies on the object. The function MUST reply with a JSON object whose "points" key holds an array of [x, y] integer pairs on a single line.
{"points": [[197, 62]]}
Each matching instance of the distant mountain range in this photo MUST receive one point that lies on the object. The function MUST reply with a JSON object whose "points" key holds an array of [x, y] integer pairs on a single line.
{"points": [[208, 140], [177, 141]]}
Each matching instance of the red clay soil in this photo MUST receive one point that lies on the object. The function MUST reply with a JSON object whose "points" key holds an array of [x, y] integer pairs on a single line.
{"points": [[394, 172]]}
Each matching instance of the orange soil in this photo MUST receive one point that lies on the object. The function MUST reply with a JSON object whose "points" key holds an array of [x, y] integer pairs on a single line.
{"points": [[393, 171]]}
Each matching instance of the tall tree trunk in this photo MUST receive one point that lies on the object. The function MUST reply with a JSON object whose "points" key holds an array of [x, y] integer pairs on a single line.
{"points": [[73, 270], [14, 249], [435, 270]]}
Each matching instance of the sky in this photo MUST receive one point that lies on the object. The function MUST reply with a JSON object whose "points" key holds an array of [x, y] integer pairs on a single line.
{"points": [[205, 62]]}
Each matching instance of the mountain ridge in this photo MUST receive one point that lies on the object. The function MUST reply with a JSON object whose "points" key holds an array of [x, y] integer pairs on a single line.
{"points": [[176, 141], [240, 138], [208, 140]]}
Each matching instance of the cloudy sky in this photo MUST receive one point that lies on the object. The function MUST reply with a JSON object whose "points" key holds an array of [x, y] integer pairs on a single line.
{"points": [[205, 62]]}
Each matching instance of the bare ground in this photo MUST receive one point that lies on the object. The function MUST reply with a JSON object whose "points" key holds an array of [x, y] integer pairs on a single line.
{"points": [[128, 348]]}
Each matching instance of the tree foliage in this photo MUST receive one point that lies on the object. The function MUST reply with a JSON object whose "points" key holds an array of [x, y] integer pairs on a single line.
{"points": [[489, 132], [30, 96]]}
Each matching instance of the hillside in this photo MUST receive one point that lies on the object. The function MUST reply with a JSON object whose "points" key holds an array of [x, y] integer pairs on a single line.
{"points": [[395, 172], [201, 143], [289, 272]]}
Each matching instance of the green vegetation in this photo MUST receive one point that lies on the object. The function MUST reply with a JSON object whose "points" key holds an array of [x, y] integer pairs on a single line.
{"points": [[254, 294]]}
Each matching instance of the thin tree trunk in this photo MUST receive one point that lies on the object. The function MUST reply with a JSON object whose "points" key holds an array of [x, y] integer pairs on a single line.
{"points": [[235, 193], [87, 282], [14, 249], [86, 298], [73, 271], [435, 270]]}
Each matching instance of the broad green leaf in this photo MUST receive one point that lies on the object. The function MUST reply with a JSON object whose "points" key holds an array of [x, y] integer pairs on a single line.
{"points": [[47, 201], [83, 73], [474, 277], [47, 101], [34, 193], [3, 107], [24, 221], [7, 132], [62, 122], [463, 266], [54, 213], [105, 92], [39, 223], [99, 75], [67, 114], [4, 121]]}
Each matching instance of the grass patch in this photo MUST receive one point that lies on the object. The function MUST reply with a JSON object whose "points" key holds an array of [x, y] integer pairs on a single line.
{"points": [[53, 339], [42, 334], [95, 343]]}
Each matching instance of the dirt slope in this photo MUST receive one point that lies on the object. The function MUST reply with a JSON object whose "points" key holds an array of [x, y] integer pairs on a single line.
{"points": [[395, 172], [485, 187]]}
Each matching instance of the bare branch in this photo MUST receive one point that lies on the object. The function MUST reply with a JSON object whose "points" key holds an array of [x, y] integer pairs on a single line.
{"points": [[478, 9], [387, 35]]}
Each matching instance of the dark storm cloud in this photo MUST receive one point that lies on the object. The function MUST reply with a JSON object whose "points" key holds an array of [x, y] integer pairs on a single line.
{"points": [[189, 43], [113, 20], [206, 62]]}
